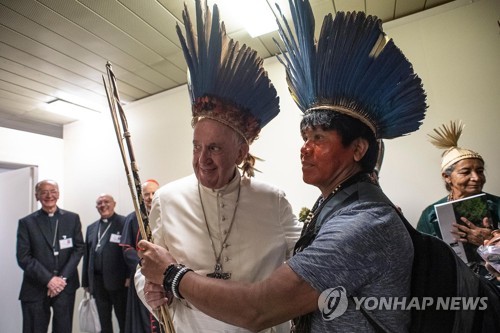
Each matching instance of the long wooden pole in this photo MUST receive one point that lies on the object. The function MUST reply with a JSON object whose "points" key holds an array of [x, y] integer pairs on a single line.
{"points": [[132, 173]]}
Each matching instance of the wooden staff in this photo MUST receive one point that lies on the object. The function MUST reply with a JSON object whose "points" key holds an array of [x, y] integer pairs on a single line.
{"points": [[134, 182]]}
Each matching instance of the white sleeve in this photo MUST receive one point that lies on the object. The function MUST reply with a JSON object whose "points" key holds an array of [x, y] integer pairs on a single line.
{"points": [[290, 224], [139, 281]]}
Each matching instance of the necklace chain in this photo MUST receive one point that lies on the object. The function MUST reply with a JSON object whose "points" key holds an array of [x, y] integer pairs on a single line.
{"points": [[308, 230], [218, 272], [318, 206]]}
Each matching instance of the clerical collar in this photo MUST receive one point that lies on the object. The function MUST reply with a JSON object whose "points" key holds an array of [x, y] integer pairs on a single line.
{"points": [[49, 214], [230, 187], [106, 220]]}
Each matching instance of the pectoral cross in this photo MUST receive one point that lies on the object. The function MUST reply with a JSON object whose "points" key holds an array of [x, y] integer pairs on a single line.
{"points": [[219, 273]]}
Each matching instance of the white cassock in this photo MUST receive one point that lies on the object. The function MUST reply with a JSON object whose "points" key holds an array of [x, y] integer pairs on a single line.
{"points": [[259, 239]]}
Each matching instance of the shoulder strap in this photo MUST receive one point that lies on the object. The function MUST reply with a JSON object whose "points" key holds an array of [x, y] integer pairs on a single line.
{"points": [[376, 324]]}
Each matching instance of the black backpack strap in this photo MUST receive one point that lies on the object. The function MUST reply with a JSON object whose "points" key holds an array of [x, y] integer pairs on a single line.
{"points": [[376, 324]]}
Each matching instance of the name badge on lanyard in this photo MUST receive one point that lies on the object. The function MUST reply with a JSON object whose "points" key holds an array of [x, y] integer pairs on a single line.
{"points": [[65, 243]]}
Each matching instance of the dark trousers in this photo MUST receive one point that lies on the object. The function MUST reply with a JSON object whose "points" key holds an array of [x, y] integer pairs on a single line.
{"points": [[139, 319], [106, 301], [36, 315]]}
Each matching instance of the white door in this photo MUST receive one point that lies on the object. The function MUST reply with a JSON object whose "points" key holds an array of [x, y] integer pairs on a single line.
{"points": [[16, 201]]}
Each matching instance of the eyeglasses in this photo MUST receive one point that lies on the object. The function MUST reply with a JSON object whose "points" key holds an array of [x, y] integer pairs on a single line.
{"points": [[48, 192]]}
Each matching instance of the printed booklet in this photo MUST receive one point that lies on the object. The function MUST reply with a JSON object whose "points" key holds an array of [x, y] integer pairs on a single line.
{"points": [[474, 208]]}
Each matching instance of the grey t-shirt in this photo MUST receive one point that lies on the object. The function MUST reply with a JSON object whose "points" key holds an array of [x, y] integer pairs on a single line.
{"points": [[366, 249]]}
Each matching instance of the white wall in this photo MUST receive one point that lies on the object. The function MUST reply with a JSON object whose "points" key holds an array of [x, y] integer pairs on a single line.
{"points": [[18, 147]]}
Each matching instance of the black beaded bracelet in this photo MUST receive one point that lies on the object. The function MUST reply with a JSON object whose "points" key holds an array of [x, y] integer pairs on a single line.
{"points": [[172, 277], [177, 280], [168, 277]]}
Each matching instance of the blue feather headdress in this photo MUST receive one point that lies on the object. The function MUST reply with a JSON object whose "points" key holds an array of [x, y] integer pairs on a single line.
{"points": [[352, 69], [226, 82]]}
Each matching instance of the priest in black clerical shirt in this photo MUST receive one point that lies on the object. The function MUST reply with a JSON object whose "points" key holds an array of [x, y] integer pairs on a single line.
{"points": [[49, 247], [105, 273]]}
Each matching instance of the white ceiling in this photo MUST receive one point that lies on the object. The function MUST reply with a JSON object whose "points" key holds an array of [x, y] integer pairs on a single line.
{"points": [[53, 49]]}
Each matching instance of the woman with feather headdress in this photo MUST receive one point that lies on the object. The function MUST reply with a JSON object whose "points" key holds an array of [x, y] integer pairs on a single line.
{"points": [[463, 174]]}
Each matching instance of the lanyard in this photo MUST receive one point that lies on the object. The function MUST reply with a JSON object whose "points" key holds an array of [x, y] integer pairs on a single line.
{"points": [[56, 253], [99, 236]]}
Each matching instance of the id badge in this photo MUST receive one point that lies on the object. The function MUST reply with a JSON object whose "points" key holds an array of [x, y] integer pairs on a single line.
{"points": [[65, 243], [115, 238]]}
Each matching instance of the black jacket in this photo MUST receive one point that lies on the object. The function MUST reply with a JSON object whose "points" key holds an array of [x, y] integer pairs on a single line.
{"points": [[114, 268], [35, 252]]}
